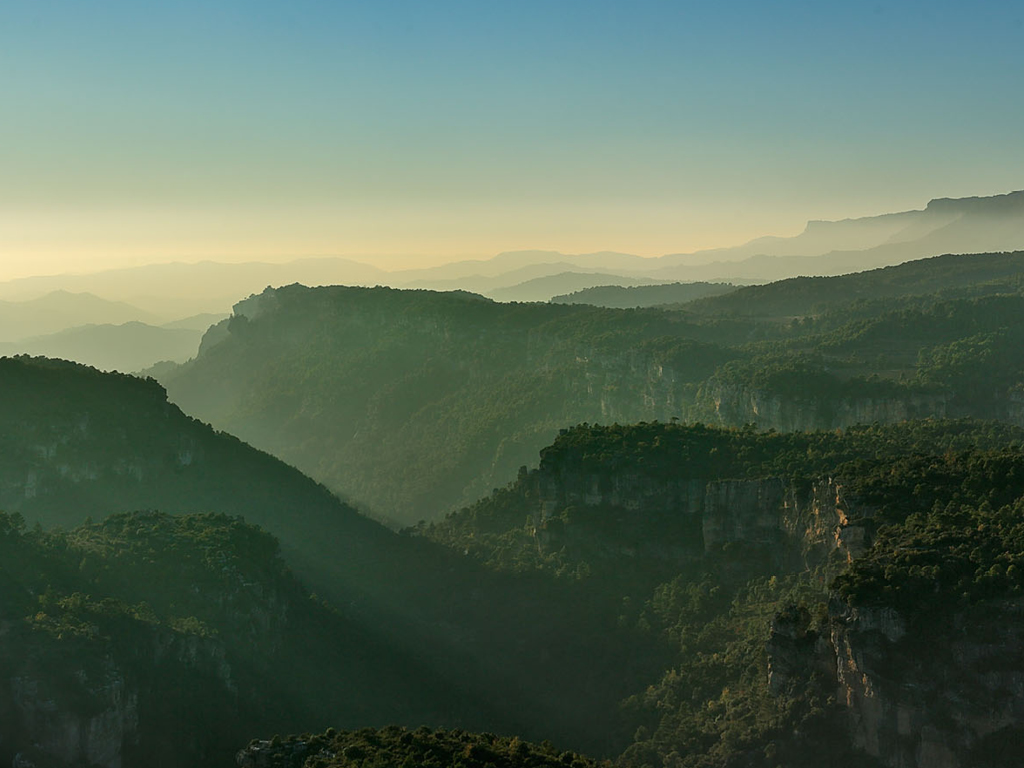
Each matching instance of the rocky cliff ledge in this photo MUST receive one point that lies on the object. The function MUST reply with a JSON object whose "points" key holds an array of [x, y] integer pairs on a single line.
{"points": [[687, 518], [732, 404], [911, 702]]}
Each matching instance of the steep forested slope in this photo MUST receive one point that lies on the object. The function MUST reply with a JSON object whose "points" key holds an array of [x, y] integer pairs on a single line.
{"points": [[77, 443], [625, 297], [148, 639], [413, 401], [883, 563], [685, 571]]}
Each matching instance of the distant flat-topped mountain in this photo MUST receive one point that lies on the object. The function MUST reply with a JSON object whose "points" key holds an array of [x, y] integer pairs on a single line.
{"points": [[946, 225], [964, 225]]}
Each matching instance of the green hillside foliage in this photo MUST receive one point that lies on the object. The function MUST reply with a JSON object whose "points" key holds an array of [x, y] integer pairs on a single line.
{"points": [[162, 609], [970, 275], [393, 746], [424, 634], [941, 498], [626, 297], [414, 403]]}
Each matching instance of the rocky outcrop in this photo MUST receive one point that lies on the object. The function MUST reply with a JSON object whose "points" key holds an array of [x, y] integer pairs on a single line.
{"points": [[1015, 407], [95, 734], [908, 701], [913, 703], [733, 404], [94, 712], [797, 651], [684, 518]]}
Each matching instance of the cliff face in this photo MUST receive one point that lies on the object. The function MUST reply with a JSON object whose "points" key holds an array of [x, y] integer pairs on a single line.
{"points": [[910, 701], [914, 703], [683, 519], [907, 700], [1015, 408], [448, 393], [93, 736], [99, 709], [735, 404]]}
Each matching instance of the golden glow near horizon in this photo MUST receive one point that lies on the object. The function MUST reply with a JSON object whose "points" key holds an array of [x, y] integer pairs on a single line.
{"points": [[389, 236], [135, 133]]}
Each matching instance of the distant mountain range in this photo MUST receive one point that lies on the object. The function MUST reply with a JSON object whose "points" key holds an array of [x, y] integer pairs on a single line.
{"points": [[126, 347], [177, 289], [61, 309], [963, 225], [544, 288]]}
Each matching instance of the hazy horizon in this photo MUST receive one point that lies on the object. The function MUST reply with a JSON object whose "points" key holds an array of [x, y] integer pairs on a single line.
{"points": [[387, 262], [254, 131]]}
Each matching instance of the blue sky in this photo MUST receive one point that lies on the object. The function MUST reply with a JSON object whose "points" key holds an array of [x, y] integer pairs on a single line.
{"points": [[133, 132]]}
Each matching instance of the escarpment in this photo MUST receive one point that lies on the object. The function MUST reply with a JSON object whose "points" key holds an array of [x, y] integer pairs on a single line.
{"points": [[732, 403]]}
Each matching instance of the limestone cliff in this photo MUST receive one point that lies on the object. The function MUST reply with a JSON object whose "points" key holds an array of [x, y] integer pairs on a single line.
{"points": [[916, 703], [734, 404], [97, 707], [685, 518]]}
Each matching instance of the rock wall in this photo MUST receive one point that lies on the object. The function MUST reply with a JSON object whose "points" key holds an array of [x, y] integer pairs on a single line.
{"points": [[92, 735], [734, 404], [915, 704], [94, 712], [685, 518]]}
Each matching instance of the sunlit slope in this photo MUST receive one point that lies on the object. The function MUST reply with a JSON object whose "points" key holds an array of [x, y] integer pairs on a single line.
{"points": [[76, 443], [412, 401], [178, 637]]}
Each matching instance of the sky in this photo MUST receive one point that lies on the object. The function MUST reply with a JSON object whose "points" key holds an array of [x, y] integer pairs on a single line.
{"points": [[413, 133]]}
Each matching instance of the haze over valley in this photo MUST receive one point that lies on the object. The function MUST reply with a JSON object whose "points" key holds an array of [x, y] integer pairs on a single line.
{"points": [[593, 385]]}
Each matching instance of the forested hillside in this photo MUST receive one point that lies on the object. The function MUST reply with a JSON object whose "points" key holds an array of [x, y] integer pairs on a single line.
{"points": [[654, 593], [786, 568], [78, 444], [627, 297], [412, 402], [149, 639]]}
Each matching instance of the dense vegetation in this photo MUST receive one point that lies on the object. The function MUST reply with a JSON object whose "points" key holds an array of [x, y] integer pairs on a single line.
{"points": [[626, 297], [445, 630], [414, 402], [138, 629], [513, 614], [940, 501], [655, 592], [393, 746]]}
